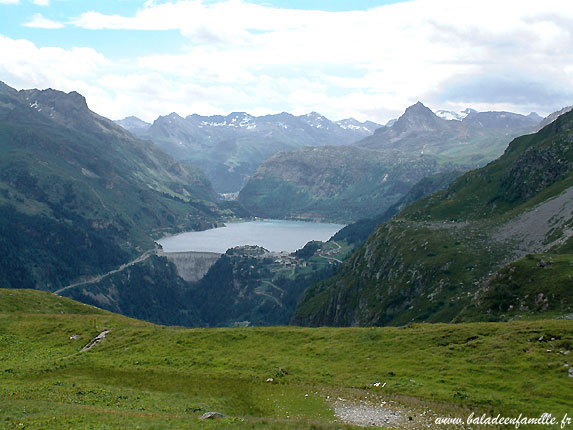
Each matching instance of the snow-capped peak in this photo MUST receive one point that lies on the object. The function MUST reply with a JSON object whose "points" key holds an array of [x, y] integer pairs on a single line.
{"points": [[453, 115]]}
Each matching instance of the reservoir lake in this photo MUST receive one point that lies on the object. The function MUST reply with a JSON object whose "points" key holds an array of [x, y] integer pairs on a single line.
{"points": [[273, 235]]}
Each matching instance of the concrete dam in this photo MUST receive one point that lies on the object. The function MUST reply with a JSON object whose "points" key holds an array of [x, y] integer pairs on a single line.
{"points": [[192, 266]]}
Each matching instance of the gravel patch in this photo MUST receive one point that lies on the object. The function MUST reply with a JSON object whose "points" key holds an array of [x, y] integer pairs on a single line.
{"points": [[531, 228], [364, 414]]}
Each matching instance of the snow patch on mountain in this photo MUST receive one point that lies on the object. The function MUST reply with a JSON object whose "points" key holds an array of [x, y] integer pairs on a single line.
{"points": [[453, 115]]}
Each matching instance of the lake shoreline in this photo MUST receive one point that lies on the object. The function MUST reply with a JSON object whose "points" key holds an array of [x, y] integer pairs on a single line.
{"points": [[273, 235]]}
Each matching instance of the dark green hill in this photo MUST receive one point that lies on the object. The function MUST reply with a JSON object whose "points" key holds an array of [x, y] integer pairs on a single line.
{"points": [[79, 195], [437, 257]]}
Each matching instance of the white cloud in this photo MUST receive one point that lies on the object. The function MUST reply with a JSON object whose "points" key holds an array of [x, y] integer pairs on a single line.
{"points": [[24, 65], [512, 55], [39, 21], [41, 2]]}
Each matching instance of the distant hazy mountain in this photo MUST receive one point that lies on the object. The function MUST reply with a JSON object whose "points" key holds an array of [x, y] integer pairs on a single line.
{"points": [[79, 195], [230, 148], [552, 117], [476, 139], [335, 183], [133, 124], [368, 127], [535, 116]]}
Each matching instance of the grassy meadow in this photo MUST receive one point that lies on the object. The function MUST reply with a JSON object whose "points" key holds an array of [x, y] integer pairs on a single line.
{"points": [[153, 377]]}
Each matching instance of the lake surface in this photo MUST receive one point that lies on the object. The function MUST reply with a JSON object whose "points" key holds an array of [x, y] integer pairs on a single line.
{"points": [[274, 235]]}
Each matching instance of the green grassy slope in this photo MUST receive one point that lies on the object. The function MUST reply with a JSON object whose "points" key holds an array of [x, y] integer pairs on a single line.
{"points": [[532, 287], [429, 261], [147, 376]]}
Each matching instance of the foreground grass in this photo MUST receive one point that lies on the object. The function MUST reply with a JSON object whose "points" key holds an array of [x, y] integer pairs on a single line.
{"points": [[147, 376]]}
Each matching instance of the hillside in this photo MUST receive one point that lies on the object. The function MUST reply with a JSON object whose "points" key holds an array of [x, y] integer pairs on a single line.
{"points": [[357, 232], [79, 195], [439, 255], [229, 148], [145, 376], [150, 290], [333, 183]]}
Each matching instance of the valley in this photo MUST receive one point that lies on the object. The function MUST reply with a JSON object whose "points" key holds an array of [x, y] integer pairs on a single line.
{"points": [[286, 215], [229, 148], [365, 179]]}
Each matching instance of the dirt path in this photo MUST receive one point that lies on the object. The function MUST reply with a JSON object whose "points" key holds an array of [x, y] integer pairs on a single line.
{"points": [[274, 286], [260, 293], [327, 253], [98, 339], [380, 412], [98, 278]]}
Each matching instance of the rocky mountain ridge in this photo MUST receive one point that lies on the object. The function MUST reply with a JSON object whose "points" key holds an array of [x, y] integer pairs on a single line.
{"points": [[477, 138], [229, 148]]}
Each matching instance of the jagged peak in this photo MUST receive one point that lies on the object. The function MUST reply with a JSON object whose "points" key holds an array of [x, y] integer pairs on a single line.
{"points": [[171, 117], [56, 99], [314, 115], [417, 117], [132, 117], [418, 107]]}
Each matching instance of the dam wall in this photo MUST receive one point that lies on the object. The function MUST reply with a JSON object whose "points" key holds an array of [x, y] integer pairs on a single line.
{"points": [[192, 266]]}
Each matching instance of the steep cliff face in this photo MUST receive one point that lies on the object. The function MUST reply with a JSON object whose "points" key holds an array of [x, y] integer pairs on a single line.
{"points": [[439, 255]]}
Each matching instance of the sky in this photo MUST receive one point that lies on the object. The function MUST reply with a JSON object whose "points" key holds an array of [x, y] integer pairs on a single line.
{"points": [[364, 59]]}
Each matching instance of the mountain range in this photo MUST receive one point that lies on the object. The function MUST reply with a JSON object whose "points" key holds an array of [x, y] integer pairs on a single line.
{"points": [[365, 179], [230, 148]]}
